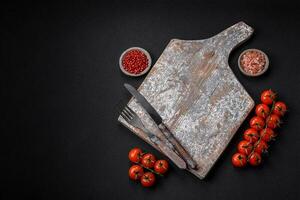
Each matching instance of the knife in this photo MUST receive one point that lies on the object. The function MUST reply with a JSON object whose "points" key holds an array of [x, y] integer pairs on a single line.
{"points": [[158, 120], [133, 119]]}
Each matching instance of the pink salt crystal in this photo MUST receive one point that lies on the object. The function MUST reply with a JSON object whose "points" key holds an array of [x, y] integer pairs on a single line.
{"points": [[253, 62]]}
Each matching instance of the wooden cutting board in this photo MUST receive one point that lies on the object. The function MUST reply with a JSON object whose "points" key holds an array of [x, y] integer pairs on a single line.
{"points": [[199, 98]]}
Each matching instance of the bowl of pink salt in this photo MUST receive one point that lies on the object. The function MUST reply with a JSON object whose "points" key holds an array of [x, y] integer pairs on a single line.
{"points": [[253, 62]]}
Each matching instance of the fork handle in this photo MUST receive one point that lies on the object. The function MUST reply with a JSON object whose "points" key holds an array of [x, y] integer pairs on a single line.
{"points": [[179, 162], [180, 149], [166, 150]]}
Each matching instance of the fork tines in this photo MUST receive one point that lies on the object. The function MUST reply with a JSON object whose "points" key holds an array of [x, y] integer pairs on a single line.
{"points": [[127, 113]]}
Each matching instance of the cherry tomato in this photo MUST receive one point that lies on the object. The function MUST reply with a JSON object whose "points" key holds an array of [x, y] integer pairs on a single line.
{"points": [[267, 134], [267, 97], [161, 166], [262, 110], [279, 108], [254, 159], [148, 160], [239, 160], [135, 155], [251, 135], [135, 172], [245, 147], [273, 121], [261, 147], [148, 179], [257, 123]]}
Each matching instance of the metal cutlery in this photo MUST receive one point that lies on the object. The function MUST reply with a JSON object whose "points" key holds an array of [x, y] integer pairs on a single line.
{"points": [[132, 118], [164, 129]]}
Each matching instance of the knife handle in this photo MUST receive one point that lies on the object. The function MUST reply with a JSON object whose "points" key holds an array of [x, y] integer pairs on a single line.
{"points": [[165, 149], [183, 153], [179, 162]]}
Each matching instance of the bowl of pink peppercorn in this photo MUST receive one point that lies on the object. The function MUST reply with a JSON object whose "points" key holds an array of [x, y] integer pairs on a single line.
{"points": [[253, 62], [135, 61]]}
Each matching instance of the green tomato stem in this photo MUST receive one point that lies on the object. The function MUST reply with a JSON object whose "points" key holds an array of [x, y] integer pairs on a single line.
{"points": [[260, 137], [151, 170]]}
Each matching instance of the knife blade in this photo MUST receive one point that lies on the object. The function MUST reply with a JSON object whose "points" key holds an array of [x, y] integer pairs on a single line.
{"points": [[159, 122]]}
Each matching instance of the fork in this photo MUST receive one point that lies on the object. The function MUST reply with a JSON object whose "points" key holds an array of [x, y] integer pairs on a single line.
{"points": [[133, 119]]}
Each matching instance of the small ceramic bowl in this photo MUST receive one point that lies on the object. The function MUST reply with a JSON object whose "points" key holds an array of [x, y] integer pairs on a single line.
{"points": [[145, 70], [266, 66]]}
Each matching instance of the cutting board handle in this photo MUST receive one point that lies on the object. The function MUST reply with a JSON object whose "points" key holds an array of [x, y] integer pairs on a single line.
{"points": [[232, 37]]}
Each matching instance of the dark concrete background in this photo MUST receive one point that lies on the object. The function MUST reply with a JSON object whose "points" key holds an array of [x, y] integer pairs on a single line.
{"points": [[62, 88]]}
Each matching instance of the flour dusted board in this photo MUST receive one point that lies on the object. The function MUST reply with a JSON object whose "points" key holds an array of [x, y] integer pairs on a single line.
{"points": [[196, 93]]}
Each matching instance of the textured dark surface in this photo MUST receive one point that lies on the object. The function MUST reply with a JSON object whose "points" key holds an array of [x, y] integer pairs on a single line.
{"points": [[63, 90]]}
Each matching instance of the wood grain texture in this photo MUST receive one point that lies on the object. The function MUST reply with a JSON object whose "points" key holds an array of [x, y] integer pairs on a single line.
{"points": [[194, 90]]}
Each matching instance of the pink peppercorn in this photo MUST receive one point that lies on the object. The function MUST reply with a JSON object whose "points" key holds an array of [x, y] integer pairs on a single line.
{"points": [[135, 61]]}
